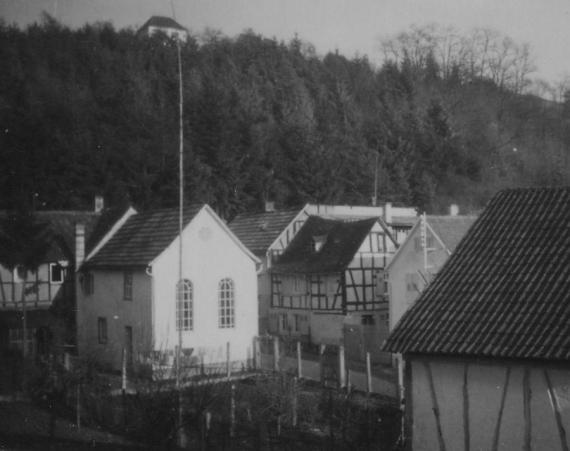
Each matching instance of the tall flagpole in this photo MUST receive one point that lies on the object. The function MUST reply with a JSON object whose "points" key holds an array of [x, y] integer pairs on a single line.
{"points": [[181, 435]]}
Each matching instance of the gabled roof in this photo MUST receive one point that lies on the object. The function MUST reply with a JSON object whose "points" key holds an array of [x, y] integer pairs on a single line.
{"points": [[341, 242], [450, 229], [162, 22], [142, 238], [505, 291], [257, 231]]}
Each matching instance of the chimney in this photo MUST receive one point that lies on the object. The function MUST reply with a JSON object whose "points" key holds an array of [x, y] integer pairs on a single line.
{"points": [[79, 245], [388, 212], [453, 210], [99, 204], [269, 206]]}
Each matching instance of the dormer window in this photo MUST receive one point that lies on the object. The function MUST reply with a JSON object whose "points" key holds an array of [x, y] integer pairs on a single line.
{"points": [[318, 242]]}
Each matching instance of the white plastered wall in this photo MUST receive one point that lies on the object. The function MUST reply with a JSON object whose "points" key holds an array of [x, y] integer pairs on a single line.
{"points": [[209, 255]]}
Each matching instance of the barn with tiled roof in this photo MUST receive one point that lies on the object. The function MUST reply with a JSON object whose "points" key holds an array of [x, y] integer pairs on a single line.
{"points": [[487, 346]]}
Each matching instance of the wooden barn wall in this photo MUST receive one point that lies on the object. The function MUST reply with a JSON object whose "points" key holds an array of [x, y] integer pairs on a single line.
{"points": [[489, 405]]}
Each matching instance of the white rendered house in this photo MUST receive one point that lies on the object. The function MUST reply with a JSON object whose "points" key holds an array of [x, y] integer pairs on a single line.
{"points": [[133, 300]]}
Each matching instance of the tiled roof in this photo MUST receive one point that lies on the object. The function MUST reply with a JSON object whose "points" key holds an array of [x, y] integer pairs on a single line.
{"points": [[505, 291], [162, 22], [341, 242], [107, 219], [257, 231], [403, 221], [450, 229], [141, 239]]}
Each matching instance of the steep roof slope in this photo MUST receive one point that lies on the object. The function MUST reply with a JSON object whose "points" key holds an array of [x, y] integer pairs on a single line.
{"points": [[341, 242], [450, 229], [142, 238], [505, 291], [257, 231]]}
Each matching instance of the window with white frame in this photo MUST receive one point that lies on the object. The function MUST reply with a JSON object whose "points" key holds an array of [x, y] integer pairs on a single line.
{"points": [[56, 273], [226, 298], [184, 305]]}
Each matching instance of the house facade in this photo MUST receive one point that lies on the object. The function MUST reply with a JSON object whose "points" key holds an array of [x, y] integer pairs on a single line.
{"points": [[267, 234], [486, 350], [134, 302], [48, 292], [327, 287], [420, 257]]}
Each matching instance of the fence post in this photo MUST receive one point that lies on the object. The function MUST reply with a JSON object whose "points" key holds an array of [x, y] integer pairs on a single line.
{"points": [[78, 406], [294, 403], [368, 374], [341, 367], [299, 361], [276, 353], [256, 353], [228, 368], [233, 410], [322, 348], [124, 387]]}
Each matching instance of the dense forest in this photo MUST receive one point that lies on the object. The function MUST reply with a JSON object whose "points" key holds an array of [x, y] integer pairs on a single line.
{"points": [[95, 111]]}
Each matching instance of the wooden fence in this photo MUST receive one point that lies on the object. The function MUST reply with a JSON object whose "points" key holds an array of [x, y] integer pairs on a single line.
{"points": [[326, 364]]}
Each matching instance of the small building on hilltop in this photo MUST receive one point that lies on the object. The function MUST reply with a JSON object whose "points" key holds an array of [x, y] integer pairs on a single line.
{"points": [[133, 302], [420, 257], [165, 25], [329, 281], [486, 347]]}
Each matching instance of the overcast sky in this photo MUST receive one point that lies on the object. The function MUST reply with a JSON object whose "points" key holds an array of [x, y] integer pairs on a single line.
{"points": [[351, 26]]}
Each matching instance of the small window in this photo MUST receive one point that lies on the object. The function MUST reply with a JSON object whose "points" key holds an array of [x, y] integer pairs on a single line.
{"points": [[88, 284], [413, 283], [284, 322], [298, 320], [184, 305], [102, 330], [19, 274], [226, 303], [128, 286], [419, 245], [56, 273], [367, 320]]}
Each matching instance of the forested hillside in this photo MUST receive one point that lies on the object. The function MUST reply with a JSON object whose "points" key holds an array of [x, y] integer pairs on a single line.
{"points": [[95, 111]]}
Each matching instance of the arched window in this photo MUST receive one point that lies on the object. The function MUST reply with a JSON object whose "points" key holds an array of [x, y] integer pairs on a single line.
{"points": [[184, 305], [226, 298]]}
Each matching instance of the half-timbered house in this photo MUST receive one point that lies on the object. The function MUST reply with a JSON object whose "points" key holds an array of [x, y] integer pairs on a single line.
{"points": [[486, 347], [268, 233], [331, 276], [49, 292]]}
